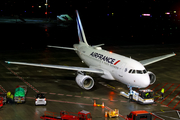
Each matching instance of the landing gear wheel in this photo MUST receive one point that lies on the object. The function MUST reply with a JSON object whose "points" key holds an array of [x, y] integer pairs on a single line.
{"points": [[130, 98]]}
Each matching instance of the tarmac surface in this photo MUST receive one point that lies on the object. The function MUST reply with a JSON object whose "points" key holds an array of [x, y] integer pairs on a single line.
{"points": [[63, 93]]}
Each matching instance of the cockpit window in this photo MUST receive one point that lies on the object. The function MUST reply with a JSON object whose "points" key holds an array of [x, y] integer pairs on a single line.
{"points": [[133, 71], [139, 72], [130, 70], [144, 71]]}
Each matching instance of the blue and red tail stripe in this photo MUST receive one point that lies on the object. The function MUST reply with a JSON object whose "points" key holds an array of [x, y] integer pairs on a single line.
{"points": [[81, 34]]}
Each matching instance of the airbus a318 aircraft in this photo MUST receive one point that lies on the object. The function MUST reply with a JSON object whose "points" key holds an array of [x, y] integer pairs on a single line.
{"points": [[106, 64]]}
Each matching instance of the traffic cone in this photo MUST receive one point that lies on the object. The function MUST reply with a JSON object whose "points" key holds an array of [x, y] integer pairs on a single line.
{"points": [[105, 114], [94, 103], [102, 105]]}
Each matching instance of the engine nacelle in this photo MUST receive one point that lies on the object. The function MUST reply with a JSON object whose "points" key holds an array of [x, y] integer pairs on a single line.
{"points": [[84, 81], [152, 77]]}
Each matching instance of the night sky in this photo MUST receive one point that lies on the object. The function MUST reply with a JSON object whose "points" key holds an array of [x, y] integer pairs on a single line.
{"points": [[121, 21]]}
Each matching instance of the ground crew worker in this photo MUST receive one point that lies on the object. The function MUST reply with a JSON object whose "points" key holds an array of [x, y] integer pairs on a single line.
{"points": [[162, 93], [11, 98], [146, 94], [8, 96]]}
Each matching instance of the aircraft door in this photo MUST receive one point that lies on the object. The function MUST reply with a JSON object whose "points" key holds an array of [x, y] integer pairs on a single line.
{"points": [[121, 69]]}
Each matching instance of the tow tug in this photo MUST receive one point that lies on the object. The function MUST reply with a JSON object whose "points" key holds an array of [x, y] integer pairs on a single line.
{"points": [[64, 115], [141, 97], [112, 113], [20, 94]]}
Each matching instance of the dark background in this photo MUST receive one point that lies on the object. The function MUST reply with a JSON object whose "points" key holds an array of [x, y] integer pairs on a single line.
{"points": [[110, 22]]}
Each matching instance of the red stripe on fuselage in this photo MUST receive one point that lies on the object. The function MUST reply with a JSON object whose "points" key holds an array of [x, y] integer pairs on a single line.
{"points": [[116, 62]]}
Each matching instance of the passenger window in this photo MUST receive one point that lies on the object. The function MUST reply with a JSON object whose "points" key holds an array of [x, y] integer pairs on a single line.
{"points": [[133, 71], [130, 70]]}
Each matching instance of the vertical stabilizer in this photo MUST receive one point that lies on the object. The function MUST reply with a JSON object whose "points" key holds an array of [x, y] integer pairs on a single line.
{"points": [[82, 38]]}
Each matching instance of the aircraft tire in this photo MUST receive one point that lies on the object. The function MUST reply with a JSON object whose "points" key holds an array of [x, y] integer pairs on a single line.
{"points": [[131, 98]]}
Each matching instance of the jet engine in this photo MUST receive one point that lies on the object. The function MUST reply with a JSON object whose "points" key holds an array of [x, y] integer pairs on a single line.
{"points": [[152, 77], [84, 81]]}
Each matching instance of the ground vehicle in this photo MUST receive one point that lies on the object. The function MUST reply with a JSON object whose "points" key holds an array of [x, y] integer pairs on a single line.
{"points": [[40, 99], [139, 115], [64, 115], [1, 101], [113, 113], [4, 96], [142, 97], [20, 92]]}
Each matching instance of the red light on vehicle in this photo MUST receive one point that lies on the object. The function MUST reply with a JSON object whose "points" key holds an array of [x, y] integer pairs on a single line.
{"points": [[35, 99], [46, 13], [45, 99], [21, 98], [48, 5], [32, 6], [112, 93]]}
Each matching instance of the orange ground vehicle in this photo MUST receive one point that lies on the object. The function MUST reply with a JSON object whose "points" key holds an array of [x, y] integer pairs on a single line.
{"points": [[1, 101], [64, 115], [139, 115]]}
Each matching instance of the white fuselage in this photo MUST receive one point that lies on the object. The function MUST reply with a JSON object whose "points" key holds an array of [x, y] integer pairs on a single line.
{"points": [[115, 67]]}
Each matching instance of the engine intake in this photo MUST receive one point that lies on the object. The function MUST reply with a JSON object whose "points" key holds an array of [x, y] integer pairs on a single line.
{"points": [[152, 77], [84, 81]]}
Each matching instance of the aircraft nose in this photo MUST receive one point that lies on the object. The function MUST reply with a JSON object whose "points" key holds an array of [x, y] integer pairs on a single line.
{"points": [[145, 81]]}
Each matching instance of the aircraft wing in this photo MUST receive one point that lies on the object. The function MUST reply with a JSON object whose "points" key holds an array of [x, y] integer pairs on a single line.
{"points": [[92, 70], [156, 59]]}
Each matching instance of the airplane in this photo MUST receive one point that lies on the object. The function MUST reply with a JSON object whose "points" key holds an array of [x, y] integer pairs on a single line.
{"points": [[64, 17], [108, 65], [64, 20]]}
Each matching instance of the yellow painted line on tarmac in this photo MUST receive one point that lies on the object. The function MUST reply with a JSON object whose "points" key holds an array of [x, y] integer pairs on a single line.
{"points": [[110, 86]]}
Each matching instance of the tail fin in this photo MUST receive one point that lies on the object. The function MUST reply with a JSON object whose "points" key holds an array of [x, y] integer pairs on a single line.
{"points": [[82, 38]]}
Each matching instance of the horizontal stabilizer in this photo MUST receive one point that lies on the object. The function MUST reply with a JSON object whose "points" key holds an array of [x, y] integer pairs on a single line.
{"points": [[98, 45], [62, 47]]}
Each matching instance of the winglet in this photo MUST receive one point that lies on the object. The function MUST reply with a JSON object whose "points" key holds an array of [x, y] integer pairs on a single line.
{"points": [[174, 53]]}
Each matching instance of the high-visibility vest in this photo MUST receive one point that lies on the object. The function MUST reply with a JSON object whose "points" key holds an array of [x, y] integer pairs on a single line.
{"points": [[162, 90], [147, 94], [8, 94], [11, 96]]}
